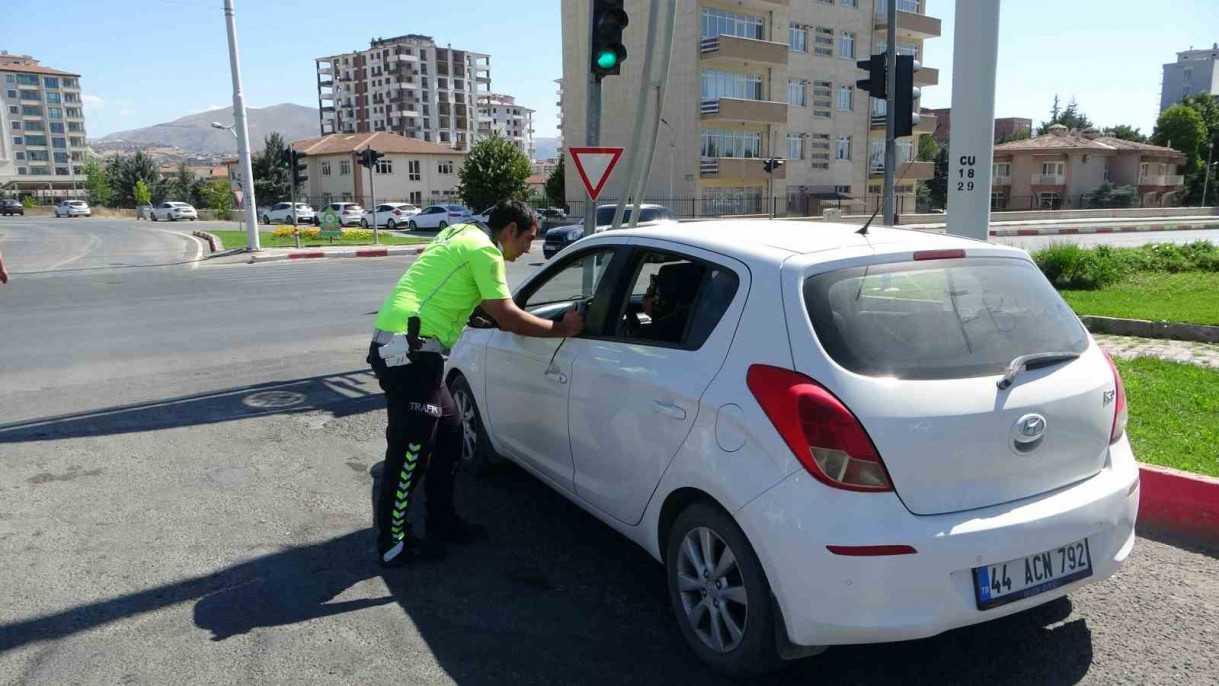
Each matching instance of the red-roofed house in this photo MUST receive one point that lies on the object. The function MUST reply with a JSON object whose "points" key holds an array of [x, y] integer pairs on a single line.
{"points": [[412, 170]]}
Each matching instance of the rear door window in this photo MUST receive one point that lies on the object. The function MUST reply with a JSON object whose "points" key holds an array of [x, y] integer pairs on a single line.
{"points": [[939, 319]]}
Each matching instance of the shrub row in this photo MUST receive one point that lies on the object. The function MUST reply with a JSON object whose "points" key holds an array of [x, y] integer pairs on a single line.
{"points": [[1070, 266], [315, 233]]}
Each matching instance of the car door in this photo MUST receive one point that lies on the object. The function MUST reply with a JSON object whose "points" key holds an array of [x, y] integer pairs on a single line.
{"points": [[527, 379], [635, 391]]}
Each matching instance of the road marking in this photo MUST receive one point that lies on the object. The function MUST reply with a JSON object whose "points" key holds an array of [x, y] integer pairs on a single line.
{"points": [[94, 242]]}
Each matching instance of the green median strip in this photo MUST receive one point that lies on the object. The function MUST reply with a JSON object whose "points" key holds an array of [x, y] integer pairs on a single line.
{"points": [[1189, 298], [237, 239], [1174, 413]]}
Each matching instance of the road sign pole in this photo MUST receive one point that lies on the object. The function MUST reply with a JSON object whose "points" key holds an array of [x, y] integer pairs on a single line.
{"points": [[890, 193], [372, 193], [975, 54], [243, 133]]}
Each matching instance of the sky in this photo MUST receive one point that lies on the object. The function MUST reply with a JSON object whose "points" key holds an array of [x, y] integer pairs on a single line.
{"points": [[146, 62]]}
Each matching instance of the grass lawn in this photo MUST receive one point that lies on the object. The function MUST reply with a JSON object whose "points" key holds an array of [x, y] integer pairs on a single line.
{"points": [[237, 239], [1188, 297], [1174, 413]]}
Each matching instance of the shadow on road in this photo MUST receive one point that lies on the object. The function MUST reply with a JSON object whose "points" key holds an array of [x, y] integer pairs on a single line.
{"points": [[343, 394], [555, 597]]}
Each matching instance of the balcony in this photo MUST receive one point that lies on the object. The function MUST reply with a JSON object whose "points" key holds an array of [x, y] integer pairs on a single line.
{"points": [[927, 76], [734, 109], [1161, 180], [737, 168], [734, 50], [908, 171], [1001, 181], [326, 83], [926, 123], [1048, 180], [909, 24], [325, 71]]}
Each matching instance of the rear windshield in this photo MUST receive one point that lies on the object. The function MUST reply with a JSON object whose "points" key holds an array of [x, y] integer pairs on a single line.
{"points": [[939, 319], [605, 215]]}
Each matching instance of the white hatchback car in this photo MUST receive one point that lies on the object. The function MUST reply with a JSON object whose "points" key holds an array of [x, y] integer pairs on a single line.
{"points": [[73, 208], [173, 211], [391, 215], [827, 438], [439, 217], [282, 212]]}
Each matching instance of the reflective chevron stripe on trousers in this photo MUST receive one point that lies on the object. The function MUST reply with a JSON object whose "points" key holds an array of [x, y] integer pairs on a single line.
{"points": [[423, 444]]}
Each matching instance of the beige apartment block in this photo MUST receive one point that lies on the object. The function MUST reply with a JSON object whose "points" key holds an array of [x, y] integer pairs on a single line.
{"points": [[751, 79], [501, 114], [43, 146]]}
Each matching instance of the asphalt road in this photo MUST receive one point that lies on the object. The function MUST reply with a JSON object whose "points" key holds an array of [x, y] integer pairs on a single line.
{"points": [[185, 497]]}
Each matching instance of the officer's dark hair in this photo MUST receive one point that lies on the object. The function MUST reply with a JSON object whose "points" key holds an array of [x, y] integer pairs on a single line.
{"points": [[506, 212]]}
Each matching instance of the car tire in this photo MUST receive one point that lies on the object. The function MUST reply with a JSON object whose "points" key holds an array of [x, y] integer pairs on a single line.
{"points": [[266, 219], [477, 455], [363, 224], [411, 226], [742, 602], [153, 216], [389, 225], [444, 225]]}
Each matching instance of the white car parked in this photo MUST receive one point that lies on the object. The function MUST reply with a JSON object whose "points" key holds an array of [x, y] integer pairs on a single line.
{"points": [[282, 213], [391, 215], [73, 208], [349, 213], [439, 216], [826, 438], [173, 211]]}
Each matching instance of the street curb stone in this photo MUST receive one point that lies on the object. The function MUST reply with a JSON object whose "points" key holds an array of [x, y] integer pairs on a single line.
{"points": [[1144, 328], [1179, 503], [383, 251], [1101, 229], [213, 241]]}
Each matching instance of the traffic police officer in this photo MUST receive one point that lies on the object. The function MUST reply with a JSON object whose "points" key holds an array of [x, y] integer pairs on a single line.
{"points": [[418, 323]]}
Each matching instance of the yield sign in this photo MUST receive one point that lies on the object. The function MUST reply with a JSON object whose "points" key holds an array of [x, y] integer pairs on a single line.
{"points": [[239, 196], [595, 165]]}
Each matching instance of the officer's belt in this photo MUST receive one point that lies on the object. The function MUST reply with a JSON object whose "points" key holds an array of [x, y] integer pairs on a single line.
{"points": [[429, 345]]}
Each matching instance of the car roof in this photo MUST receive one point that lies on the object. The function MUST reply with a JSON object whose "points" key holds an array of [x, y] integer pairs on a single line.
{"points": [[778, 240]]}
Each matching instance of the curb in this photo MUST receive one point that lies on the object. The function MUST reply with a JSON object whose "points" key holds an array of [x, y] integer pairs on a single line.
{"points": [[213, 241], [384, 251], [1101, 229], [1142, 328], [1179, 503]]}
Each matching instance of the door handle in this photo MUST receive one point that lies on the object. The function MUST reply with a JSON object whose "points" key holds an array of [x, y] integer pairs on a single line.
{"points": [[555, 375], [668, 409]]}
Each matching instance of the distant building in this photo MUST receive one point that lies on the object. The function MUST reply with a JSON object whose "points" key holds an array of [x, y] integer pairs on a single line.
{"points": [[559, 104], [537, 183], [412, 170], [1005, 126], [1054, 169], [545, 166], [42, 129], [1195, 71], [500, 114]]}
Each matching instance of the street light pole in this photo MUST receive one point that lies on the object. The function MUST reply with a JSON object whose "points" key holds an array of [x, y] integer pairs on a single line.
{"points": [[242, 132], [218, 125], [1206, 180]]}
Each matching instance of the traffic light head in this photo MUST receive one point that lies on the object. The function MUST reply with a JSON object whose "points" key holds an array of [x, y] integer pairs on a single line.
{"points": [[874, 85], [772, 164], [300, 169], [285, 159], [905, 93], [607, 51]]}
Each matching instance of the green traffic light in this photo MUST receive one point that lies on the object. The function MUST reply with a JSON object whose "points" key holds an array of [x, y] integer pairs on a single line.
{"points": [[607, 59]]}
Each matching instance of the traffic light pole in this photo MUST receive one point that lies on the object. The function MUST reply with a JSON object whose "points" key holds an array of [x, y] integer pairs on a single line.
{"points": [[890, 198], [243, 133], [592, 121], [372, 193]]}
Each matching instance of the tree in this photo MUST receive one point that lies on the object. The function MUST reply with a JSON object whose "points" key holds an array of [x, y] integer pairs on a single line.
{"points": [[937, 187], [1180, 127], [198, 192], [180, 187], [97, 184], [556, 185], [141, 193], [1071, 118], [125, 172], [494, 170], [1206, 107], [927, 149], [1022, 134], [272, 179], [1125, 132], [220, 197]]}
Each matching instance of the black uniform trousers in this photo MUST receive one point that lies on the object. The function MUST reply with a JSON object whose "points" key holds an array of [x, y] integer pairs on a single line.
{"points": [[423, 437]]}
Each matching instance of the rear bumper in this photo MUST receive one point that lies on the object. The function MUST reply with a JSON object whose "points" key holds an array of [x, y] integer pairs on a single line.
{"points": [[830, 599]]}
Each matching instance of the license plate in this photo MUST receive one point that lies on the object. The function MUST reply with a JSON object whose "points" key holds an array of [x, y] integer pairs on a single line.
{"points": [[1006, 582]]}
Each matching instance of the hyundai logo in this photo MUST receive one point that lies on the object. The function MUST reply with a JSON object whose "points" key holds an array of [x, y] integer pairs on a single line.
{"points": [[1029, 428]]}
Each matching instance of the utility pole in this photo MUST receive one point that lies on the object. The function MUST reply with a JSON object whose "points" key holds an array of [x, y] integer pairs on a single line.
{"points": [[243, 133], [1206, 179], [372, 196], [890, 198], [975, 55]]}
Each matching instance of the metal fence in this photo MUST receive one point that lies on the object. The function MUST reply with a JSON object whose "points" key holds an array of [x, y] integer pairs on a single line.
{"points": [[1082, 201], [745, 205]]}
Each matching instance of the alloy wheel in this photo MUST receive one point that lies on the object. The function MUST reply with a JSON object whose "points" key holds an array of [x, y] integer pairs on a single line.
{"points": [[469, 425], [712, 590]]}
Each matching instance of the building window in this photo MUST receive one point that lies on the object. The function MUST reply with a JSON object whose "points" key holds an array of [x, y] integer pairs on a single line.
{"points": [[819, 152], [850, 3], [446, 167], [797, 92], [1185, 90], [57, 127], [10, 93], [325, 167], [75, 127], [70, 97], [13, 109], [846, 98], [416, 198], [795, 146], [824, 43], [22, 171], [76, 142], [32, 125], [50, 82], [1049, 201], [905, 150], [1000, 169], [20, 155], [724, 143], [61, 158], [71, 83], [797, 38], [842, 151], [385, 166], [413, 170], [726, 84], [53, 98], [31, 111], [29, 95], [35, 140], [822, 94], [16, 126], [59, 143], [717, 22], [74, 112], [55, 113], [846, 45], [18, 140], [39, 156], [344, 167], [27, 80], [10, 78]]}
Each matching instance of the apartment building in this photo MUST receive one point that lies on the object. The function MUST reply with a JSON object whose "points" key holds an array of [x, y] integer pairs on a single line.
{"points": [[500, 114], [559, 104], [412, 170], [404, 85], [1055, 169], [1195, 71], [752, 79], [43, 149]]}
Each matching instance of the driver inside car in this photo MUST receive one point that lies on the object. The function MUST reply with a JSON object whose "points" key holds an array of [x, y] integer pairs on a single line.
{"points": [[667, 302]]}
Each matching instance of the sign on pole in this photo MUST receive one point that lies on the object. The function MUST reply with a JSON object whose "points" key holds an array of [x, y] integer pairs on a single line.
{"points": [[595, 166], [332, 225], [238, 197], [975, 58]]}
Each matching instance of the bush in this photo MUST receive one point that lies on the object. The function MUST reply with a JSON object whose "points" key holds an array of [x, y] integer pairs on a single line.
{"points": [[1070, 266], [315, 233], [27, 202]]}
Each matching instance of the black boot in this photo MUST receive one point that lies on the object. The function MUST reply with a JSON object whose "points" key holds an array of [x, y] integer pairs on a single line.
{"points": [[461, 532], [413, 550]]}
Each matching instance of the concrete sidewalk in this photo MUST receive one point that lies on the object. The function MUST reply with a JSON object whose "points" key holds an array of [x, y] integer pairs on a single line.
{"points": [[283, 254]]}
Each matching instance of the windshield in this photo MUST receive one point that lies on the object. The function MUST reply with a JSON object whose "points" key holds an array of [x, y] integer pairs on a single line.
{"points": [[457, 208], [939, 319]]}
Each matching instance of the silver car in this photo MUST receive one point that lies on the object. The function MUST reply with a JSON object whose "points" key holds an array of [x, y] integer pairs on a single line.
{"points": [[73, 208], [173, 211]]}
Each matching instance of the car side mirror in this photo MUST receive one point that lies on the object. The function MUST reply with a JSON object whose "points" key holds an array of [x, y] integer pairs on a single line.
{"points": [[479, 319]]}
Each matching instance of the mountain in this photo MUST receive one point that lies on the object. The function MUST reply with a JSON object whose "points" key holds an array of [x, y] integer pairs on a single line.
{"points": [[195, 133], [545, 148]]}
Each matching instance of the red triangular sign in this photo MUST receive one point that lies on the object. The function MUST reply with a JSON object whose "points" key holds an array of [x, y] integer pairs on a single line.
{"points": [[595, 165]]}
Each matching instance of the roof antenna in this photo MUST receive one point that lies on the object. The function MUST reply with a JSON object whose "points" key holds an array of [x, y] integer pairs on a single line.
{"points": [[864, 230]]}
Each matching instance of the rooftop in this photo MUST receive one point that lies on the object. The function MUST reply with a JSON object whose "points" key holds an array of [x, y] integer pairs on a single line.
{"points": [[33, 69], [383, 141], [1078, 140]]}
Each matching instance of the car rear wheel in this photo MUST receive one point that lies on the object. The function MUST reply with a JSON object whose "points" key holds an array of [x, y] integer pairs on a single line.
{"points": [[411, 226], [477, 455], [153, 216], [443, 225], [720, 594], [266, 219], [389, 224], [363, 224]]}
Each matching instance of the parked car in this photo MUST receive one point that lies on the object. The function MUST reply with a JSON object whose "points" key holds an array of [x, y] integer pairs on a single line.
{"points": [[73, 208], [649, 215], [440, 216], [8, 207], [173, 211], [825, 438], [282, 213], [349, 213], [391, 215], [144, 211]]}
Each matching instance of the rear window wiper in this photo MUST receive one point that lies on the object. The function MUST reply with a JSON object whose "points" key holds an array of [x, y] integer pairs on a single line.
{"points": [[1033, 361]]}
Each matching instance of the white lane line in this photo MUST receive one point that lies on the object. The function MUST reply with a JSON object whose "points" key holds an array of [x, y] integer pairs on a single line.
{"points": [[94, 242], [198, 250]]}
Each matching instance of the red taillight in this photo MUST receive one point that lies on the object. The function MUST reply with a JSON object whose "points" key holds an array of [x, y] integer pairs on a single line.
{"points": [[822, 433], [1120, 413], [397, 213], [938, 255]]}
